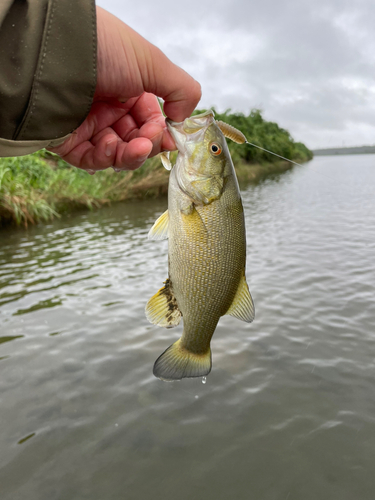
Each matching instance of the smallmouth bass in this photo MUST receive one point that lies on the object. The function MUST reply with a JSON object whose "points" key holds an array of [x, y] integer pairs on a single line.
{"points": [[206, 249]]}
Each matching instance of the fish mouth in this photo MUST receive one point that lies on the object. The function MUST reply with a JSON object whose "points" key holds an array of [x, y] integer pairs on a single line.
{"points": [[191, 129]]}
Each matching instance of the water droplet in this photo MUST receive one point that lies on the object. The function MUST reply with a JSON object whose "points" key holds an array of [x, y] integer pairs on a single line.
{"points": [[91, 172], [196, 396], [204, 380]]}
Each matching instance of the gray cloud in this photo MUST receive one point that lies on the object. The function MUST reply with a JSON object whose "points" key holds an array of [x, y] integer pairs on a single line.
{"points": [[308, 65]]}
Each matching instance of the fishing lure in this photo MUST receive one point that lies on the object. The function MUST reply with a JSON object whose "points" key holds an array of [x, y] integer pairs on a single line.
{"points": [[238, 137]]}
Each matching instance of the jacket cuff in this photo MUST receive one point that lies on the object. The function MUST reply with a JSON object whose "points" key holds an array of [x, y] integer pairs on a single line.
{"points": [[63, 77], [21, 148]]}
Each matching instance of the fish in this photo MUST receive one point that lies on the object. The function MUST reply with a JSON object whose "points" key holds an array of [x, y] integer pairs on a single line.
{"points": [[205, 228]]}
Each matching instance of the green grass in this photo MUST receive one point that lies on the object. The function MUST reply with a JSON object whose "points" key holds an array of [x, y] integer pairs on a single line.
{"points": [[41, 186]]}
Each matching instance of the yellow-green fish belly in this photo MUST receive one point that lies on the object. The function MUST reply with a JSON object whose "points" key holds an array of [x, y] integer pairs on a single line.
{"points": [[207, 253]]}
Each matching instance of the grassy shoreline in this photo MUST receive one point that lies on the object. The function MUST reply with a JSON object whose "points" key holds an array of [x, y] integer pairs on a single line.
{"points": [[41, 186]]}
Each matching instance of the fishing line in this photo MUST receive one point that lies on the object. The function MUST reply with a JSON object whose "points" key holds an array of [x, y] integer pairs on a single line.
{"points": [[287, 159], [272, 153], [239, 137]]}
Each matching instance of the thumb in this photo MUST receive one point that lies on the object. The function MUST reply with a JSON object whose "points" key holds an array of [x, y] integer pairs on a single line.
{"points": [[179, 90], [129, 65]]}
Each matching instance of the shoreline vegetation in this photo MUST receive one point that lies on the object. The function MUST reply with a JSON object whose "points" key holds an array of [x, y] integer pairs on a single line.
{"points": [[41, 186], [353, 150]]}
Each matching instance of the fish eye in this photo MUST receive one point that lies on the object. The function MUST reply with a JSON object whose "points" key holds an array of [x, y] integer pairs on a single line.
{"points": [[215, 148]]}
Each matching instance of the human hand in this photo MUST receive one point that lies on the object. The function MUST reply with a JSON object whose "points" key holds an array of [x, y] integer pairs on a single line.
{"points": [[125, 125]]}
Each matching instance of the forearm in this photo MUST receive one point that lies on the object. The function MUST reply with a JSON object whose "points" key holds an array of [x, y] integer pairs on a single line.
{"points": [[48, 71]]}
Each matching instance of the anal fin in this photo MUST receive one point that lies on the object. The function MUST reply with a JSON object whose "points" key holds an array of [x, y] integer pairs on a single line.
{"points": [[159, 230], [162, 309], [242, 306]]}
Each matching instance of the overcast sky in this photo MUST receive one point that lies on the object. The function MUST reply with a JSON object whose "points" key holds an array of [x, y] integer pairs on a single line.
{"points": [[309, 65]]}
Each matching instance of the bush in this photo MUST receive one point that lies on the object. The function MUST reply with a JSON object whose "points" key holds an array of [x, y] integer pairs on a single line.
{"points": [[267, 135]]}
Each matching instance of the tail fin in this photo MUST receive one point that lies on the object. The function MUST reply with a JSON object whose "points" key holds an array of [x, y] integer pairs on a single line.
{"points": [[177, 362]]}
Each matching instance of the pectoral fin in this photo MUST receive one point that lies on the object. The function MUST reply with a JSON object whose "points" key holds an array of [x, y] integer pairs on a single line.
{"points": [[159, 230], [162, 308], [242, 306]]}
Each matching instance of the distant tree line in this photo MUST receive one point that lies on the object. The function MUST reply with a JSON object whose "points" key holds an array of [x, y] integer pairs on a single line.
{"points": [[263, 133]]}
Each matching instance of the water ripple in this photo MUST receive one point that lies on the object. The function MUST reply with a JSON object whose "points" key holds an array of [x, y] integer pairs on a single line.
{"points": [[289, 404]]}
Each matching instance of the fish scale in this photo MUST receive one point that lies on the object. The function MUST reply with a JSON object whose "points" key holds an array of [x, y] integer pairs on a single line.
{"points": [[206, 276], [207, 248]]}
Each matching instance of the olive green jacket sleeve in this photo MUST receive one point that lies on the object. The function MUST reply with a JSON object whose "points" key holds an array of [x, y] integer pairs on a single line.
{"points": [[47, 71]]}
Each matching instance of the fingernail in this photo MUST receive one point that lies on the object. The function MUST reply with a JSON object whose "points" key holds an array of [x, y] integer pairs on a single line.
{"points": [[142, 159], [110, 148], [136, 164]]}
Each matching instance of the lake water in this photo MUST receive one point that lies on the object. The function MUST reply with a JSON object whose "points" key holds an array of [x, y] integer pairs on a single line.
{"points": [[288, 411]]}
